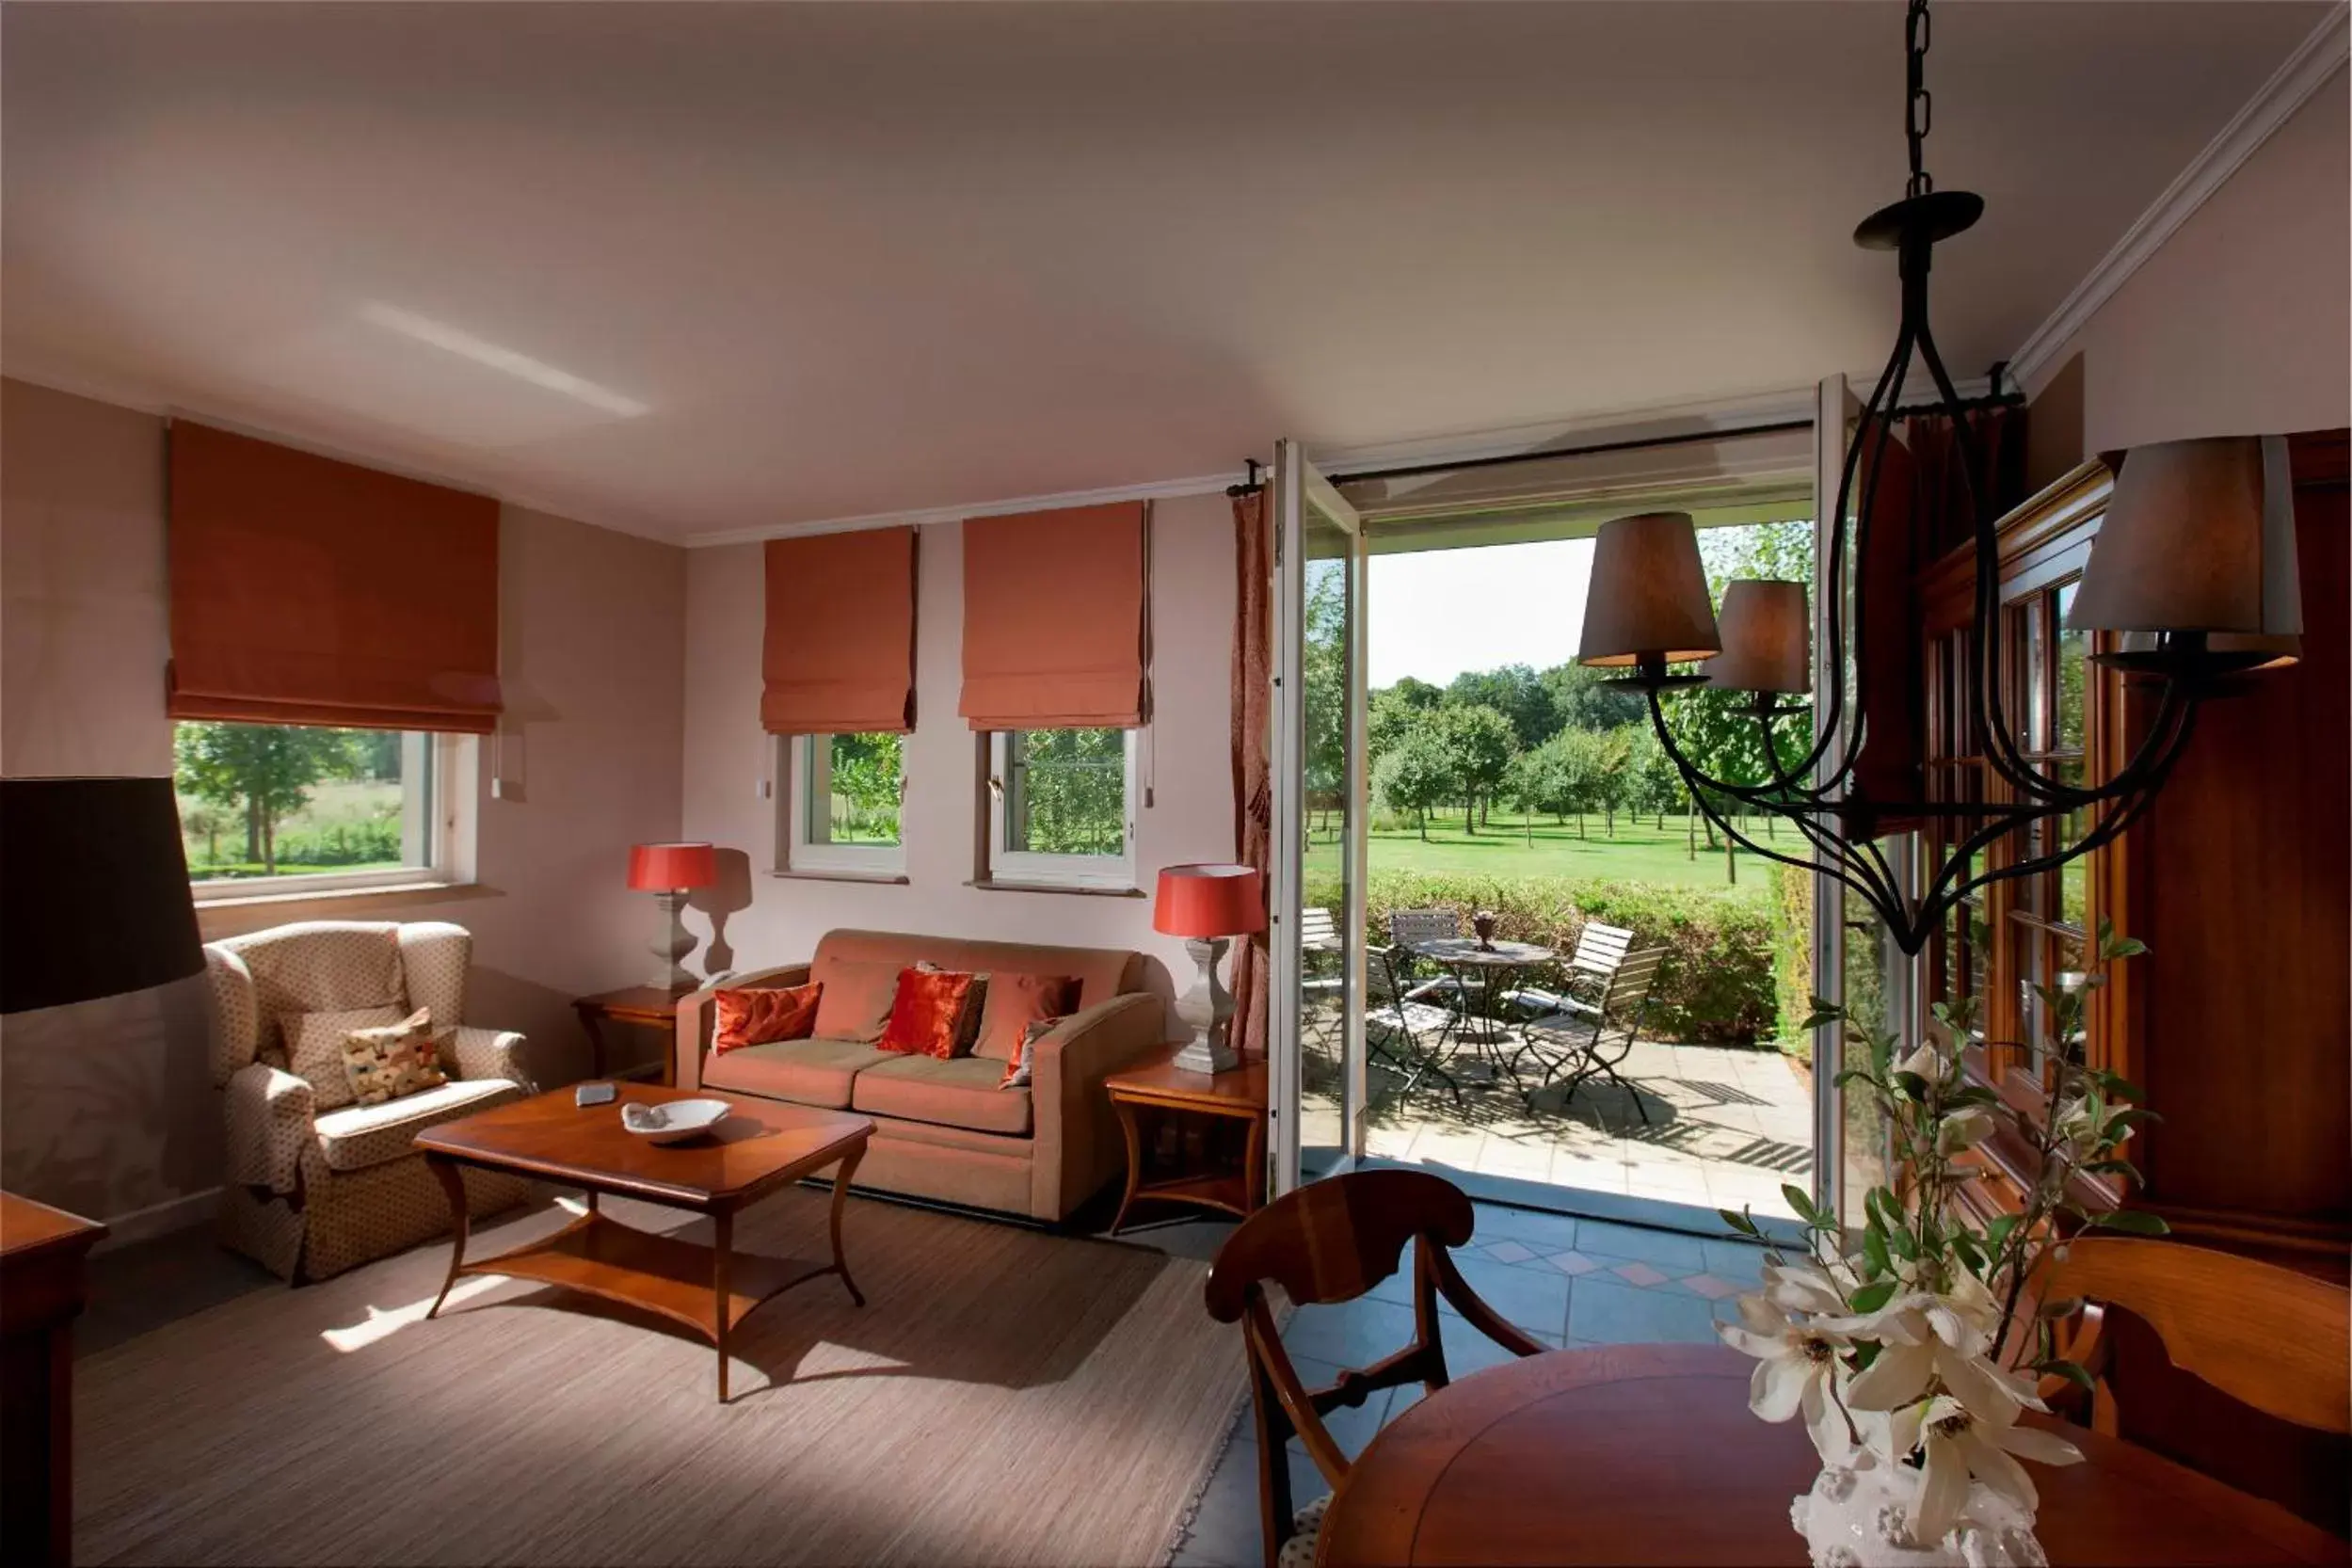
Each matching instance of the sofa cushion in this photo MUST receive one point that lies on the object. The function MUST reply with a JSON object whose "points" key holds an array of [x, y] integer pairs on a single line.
{"points": [[366, 1135], [807, 1072], [393, 1061], [1101, 973], [1018, 1001], [854, 1003], [959, 1091], [932, 1007]]}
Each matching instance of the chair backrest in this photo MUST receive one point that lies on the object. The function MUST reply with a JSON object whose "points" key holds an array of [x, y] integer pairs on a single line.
{"points": [[1629, 987], [1333, 1240], [1317, 928], [1423, 926], [1600, 948], [2266, 1336]]}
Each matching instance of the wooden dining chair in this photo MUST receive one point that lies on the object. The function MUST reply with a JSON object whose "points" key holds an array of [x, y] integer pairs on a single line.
{"points": [[2267, 1336], [1332, 1241]]}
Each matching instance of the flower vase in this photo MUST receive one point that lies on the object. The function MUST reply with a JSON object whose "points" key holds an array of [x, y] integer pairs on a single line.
{"points": [[1859, 1518]]}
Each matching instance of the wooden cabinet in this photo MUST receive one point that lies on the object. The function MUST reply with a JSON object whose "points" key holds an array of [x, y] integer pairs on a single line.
{"points": [[2239, 880], [41, 1255]]}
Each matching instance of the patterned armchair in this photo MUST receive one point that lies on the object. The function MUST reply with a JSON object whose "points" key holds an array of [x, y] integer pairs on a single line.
{"points": [[316, 1184]]}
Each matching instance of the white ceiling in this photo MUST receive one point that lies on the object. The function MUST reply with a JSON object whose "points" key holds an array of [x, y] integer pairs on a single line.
{"points": [[693, 269]]}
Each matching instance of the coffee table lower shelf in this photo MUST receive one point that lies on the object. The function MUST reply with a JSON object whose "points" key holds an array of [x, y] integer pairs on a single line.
{"points": [[599, 1256]]}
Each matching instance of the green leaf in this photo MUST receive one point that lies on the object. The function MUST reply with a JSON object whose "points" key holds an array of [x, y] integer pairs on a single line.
{"points": [[1801, 1201], [1874, 1250], [2132, 1221], [1739, 1221], [1911, 1084], [1905, 1248], [2116, 1167], [1997, 1231], [1873, 1296], [2067, 1369], [2066, 1308]]}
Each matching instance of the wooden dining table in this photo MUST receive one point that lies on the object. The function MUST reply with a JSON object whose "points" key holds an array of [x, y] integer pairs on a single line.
{"points": [[1649, 1454]]}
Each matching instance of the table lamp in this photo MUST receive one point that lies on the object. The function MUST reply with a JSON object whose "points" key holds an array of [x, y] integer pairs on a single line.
{"points": [[1207, 904], [669, 872]]}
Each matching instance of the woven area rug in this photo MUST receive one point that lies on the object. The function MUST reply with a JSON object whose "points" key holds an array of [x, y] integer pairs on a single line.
{"points": [[1003, 1397]]}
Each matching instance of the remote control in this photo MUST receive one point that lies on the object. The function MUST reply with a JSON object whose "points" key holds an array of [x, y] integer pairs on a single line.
{"points": [[594, 1094]]}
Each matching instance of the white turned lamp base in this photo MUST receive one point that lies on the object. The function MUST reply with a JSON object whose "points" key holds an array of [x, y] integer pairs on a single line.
{"points": [[1207, 1008], [673, 976]]}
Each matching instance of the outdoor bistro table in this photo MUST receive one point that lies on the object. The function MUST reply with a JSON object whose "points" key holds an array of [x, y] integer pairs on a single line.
{"points": [[1484, 977]]}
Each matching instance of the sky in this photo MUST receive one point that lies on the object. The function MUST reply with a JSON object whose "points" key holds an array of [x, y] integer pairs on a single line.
{"points": [[1436, 612]]}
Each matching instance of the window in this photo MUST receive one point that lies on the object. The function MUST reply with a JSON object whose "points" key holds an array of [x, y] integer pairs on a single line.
{"points": [[271, 808], [843, 807], [1062, 807]]}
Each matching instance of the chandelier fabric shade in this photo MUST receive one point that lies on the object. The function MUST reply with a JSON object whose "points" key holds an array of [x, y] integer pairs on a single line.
{"points": [[2198, 536], [1648, 599], [1766, 629]]}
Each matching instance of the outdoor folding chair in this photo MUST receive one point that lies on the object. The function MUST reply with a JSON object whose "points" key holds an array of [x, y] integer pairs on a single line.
{"points": [[1398, 985], [1319, 938], [1613, 1024], [1600, 948]]}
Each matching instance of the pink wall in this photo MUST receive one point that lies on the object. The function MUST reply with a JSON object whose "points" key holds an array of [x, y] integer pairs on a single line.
{"points": [[107, 1109], [2242, 322], [1188, 754]]}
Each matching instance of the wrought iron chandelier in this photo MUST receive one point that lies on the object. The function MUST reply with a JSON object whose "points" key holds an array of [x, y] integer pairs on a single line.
{"points": [[2194, 566]]}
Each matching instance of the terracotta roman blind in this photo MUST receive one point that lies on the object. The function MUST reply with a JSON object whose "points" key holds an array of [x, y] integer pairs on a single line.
{"points": [[310, 591], [838, 656], [1055, 634]]}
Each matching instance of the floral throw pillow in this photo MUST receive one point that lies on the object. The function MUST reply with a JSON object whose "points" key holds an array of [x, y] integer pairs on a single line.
{"points": [[759, 1017], [1018, 1070], [315, 1044], [386, 1063]]}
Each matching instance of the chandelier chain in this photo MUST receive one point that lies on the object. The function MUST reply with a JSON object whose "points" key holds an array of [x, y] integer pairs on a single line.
{"points": [[1919, 107]]}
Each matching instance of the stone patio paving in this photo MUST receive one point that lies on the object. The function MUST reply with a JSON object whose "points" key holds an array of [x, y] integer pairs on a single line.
{"points": [[1727, 1127]]}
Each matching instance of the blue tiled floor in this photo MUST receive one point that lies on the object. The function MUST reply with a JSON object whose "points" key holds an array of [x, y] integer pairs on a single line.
{"points": [[1567, 1282]]}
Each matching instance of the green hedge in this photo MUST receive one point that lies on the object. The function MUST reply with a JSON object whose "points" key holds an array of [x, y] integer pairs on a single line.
{"points": [[1718, 982], [1792, 955]]}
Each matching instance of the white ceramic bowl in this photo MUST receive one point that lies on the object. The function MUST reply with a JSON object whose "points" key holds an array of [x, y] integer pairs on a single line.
{"points": [[673, 1121]]}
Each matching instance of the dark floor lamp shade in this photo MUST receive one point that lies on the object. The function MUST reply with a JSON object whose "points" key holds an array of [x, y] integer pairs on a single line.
{"points": [[94, 891]]}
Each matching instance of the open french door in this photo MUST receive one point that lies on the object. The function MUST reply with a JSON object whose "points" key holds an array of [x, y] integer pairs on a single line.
{"points": [[1315, 1035], [1855, 965]]}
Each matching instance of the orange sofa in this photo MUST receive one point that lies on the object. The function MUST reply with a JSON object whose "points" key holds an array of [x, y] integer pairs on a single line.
{"points": [[943, 1129]]}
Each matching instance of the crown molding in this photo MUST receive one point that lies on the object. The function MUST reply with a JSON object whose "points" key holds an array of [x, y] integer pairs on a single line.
{"points": [[2302, 73], [1160, 489], [123, 395]]}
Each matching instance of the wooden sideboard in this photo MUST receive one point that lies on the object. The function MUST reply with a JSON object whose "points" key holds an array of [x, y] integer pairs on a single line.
{"points": [[42, 1251]]}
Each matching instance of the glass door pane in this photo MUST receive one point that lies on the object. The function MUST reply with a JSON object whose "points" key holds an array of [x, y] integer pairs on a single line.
{"points": [[1316, 1029]]}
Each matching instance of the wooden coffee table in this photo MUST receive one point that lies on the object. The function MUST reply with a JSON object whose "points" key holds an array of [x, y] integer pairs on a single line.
{"points": [[761, 1147]]}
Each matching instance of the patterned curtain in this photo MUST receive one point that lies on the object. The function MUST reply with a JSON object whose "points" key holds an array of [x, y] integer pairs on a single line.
{"points": [[1253, 782]]}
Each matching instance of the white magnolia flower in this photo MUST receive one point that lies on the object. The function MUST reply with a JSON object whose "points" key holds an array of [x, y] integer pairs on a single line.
{"points": [[1931, 1341], [1960, 1447], [1964, 1129], [1804, 1287], [1797, 1371], [1926, 1061]]}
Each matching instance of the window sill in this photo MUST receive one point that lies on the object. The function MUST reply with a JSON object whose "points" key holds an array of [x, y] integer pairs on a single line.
{"points": [[235, 917], [990, 885], [879, 879]]}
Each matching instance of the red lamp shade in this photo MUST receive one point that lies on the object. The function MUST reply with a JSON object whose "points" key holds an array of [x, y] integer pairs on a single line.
{"points": [[1209, 901], [668, 868]]}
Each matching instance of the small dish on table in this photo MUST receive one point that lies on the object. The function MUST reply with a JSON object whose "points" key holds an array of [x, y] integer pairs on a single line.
{"points": [[673, 1121]]}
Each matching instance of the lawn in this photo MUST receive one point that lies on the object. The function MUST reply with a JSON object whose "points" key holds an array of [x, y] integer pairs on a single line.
{"points": [[1639, 853]]}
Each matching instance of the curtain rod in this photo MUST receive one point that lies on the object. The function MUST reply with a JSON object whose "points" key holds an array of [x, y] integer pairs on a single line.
{"points": [[1416, 470]]}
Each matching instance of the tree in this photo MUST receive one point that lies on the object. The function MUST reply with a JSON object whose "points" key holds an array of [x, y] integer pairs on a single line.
{"points": [[1419, 694], [866, 774], [1072, 791], [265, 769], [1515, 690], [1580, 701], [1416, 775], [1326, 683], [1481, 744], [1565, 774], [1389, 719]]}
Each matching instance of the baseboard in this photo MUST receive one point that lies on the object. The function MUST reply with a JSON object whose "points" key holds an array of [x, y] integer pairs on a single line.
{"points": [[162, 1218]]}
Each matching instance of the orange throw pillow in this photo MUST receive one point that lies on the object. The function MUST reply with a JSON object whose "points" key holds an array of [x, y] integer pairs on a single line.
{"points": [[927, 1014], [760, 1017], [1014, 1002]]}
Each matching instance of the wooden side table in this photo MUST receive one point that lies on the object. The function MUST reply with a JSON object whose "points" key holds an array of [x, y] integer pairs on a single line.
{"points": [[649, 1005], [41, 1290], [1238, 1096]]}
